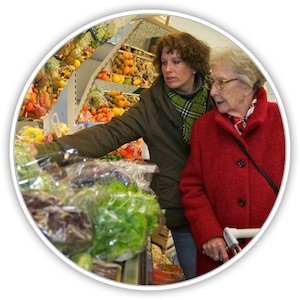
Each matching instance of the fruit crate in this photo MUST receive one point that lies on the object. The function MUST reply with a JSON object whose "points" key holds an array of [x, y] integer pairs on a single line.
{"points": [[163, 238]]}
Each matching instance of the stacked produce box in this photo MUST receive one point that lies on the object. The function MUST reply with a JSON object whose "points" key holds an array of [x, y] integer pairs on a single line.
{"points": [[101, 106], [131, 66], [165, 265]]}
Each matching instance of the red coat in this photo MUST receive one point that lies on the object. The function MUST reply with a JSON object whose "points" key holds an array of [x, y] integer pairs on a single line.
{"points": [[220, 187]]}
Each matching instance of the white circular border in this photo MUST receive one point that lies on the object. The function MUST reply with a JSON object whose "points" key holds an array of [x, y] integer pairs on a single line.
{"points": [[187, 282]]}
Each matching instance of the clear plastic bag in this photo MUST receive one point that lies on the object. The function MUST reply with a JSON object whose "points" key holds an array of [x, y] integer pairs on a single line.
{"points": [[67, 227], [95, 171], [123, 218], [42, 172], [112, 202], [140, 171], [91, 172]]}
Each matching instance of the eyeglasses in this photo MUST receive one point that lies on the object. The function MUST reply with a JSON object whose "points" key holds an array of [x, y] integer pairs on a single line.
{"points": [[220, 83]]}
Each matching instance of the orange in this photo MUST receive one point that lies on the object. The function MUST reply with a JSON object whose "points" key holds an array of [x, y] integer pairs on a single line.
{"points": [[121, 103], [76, 63], [126, 103], [128, 62], [126, 70], [119, 97]]}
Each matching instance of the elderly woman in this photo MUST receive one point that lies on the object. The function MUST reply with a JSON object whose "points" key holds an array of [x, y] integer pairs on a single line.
{"points": [[220, 185]]}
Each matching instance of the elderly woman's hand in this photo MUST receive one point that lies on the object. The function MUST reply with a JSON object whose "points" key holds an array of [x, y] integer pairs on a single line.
{"points": [[216, 249]]}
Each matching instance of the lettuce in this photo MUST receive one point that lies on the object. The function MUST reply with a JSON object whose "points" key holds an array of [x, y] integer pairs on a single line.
{"points": [[123, 218]]}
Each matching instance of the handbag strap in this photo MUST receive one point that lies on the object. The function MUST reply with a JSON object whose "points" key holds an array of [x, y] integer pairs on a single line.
{"points": [[260, 170]]}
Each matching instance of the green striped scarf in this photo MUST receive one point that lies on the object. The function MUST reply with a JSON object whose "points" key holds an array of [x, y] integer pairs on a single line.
{"points": [[189, 109]]}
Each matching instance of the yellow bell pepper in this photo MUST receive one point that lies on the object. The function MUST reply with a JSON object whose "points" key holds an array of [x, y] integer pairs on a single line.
{"points": [[33, 134]]}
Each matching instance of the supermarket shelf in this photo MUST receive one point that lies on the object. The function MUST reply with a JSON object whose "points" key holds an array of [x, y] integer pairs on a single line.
{"points": [[138, 270], [114, 86]]}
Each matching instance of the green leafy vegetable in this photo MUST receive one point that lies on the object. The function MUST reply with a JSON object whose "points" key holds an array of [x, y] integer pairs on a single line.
{"points": [[25, 166], [123, 217], [28, 171]]}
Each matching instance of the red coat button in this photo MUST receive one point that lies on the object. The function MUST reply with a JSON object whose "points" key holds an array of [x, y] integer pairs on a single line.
{"points": [[241, 163], [241, 202]]}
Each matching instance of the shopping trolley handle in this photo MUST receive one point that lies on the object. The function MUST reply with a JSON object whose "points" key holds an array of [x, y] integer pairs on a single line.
{"points": [[231, 235]]}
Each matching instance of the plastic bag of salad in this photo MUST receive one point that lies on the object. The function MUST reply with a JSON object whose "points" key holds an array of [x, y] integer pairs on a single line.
{"points": [[123, 218]]}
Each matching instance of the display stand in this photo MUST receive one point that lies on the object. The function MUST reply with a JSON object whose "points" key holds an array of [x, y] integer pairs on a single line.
{"points": [[137, 270]]}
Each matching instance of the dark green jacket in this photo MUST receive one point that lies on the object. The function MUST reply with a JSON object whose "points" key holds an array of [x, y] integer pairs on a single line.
{"points": [[156, 120]]}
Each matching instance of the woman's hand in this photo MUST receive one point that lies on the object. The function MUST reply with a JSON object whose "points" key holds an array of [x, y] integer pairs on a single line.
{"points": [[33, 150], [216, 249]]}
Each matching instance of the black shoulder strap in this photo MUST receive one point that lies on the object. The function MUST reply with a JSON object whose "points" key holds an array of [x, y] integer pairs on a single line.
{"points": [[260, 170]]}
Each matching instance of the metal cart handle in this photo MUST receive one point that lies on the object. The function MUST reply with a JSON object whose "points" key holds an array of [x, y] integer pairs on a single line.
{"points": [[231, 236]]}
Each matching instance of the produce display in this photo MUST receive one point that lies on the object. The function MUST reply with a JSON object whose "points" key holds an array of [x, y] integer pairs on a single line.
{"points": [[96, 212], [96, 108], [35, 134], [102, 106], [31, 134], [53, 76], [131, 151], [131, 66]]}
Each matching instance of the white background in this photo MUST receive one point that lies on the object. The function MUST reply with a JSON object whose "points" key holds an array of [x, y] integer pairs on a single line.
{"points": [[29, 30]]}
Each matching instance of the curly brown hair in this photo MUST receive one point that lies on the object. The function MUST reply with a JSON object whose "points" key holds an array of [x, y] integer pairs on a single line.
{"points": [[191, 50]]}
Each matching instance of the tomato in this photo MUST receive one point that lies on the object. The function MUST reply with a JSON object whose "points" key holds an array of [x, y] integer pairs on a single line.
{"points": [[122, 152], [98, 117], [85, 107], [93, 111], [29, 106], [103, 104]]}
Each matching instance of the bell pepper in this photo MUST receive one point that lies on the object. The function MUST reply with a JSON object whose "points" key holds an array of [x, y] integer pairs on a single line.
{"points": [[33, 134]]}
